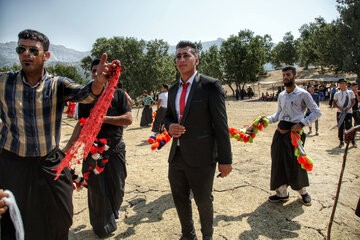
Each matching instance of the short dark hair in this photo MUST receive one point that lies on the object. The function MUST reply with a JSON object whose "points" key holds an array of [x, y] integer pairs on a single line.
{"points": [[290, 68], [37, 36], [194, 49], [94, 63], [342, 80], [166, 86]]}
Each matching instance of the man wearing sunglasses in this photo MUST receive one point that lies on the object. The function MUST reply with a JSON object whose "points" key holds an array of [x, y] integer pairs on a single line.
{"points": [[31, 106]]}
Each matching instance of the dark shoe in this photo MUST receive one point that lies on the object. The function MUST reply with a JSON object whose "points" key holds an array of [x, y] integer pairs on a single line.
{"points": [[306, 199], [309, 132], [275, 198], [354, 145], [117, 216], [188, 237], [207, 238], [341, 144], [317, 134]]}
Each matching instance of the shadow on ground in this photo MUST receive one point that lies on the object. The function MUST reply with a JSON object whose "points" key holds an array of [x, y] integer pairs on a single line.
{"points": [[271, 220], [335, 151], [146, 213]]}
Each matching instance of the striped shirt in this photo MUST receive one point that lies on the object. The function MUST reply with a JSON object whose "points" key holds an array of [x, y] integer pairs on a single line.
{"points": [[32, 115]]}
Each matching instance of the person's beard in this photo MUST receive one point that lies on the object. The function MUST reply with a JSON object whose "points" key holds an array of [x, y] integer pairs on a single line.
{"points": [[290, 83]]}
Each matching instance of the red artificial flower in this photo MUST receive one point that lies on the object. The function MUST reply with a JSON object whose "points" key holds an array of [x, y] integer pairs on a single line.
{"points": [[308, 166], [303, 160]]}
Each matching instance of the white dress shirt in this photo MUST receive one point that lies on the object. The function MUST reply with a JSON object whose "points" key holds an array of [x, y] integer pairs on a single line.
{"points": [[178, 94], [292, 107]]}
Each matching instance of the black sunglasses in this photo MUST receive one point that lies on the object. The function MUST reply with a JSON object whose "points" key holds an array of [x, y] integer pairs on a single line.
{"points": [[32, 50]]}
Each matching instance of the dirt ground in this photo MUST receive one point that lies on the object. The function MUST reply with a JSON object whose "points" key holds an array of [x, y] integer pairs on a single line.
{"points": [[242, 210]]}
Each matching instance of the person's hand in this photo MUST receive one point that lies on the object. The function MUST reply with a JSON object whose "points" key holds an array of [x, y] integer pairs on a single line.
{"points": [[102, 75], [150, 106], [176, 130], [348, 108], [224, 169], [250, 130], [350, 135], [3, 207], [340, 109], [297, 127]]}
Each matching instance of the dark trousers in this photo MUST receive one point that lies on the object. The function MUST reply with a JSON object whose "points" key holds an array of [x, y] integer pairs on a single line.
{"points": [[331, 99], [45, 204], [199, 180], [106, 191], [356, 116], [285, 168], [347, 124], [159, 119], [146, 116]]}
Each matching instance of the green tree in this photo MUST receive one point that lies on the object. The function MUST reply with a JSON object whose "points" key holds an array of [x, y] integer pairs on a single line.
{"points": [[14, 68], [308, 44], [66, 71], [86, 64], [211, 63], [5, 69], [244, 56], [130, 52], [157, 68], [285, 52], [318, 44], [349, 35]]}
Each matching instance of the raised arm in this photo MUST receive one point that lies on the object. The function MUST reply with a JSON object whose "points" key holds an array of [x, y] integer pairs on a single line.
{"points": [[103, 75]]}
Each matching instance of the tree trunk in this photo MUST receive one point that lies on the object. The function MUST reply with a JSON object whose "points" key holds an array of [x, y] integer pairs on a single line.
{"points": [[232, 89]]}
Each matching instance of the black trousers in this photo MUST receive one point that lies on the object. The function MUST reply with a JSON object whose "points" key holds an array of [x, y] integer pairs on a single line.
{"points": [[285, 168], [356, 116], [347, 124], [106, 191], [331, 99], [199, 180], [159, 119], [45, 204], [146, 116]]}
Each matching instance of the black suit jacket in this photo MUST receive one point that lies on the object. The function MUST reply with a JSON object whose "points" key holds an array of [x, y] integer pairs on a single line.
{"points": [[206, 139]]}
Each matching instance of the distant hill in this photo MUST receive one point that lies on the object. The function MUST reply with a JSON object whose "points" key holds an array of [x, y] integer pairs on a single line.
{"points": [[59, 53], [205, 45], [68, 56]]}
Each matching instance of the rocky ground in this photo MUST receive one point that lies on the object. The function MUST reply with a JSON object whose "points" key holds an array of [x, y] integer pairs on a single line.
{"points": [[242, 210]]}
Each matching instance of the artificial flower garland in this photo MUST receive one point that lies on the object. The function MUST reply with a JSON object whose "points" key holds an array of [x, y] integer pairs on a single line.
{"points": [[91, 128], [159, 140], [71, 109], [241, 135], [153, 117], [99, 154], [305, 161]]}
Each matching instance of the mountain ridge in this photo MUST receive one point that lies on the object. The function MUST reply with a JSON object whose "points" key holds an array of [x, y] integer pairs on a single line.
{"points": [[67, 56], [63, 54], [59, 53]]}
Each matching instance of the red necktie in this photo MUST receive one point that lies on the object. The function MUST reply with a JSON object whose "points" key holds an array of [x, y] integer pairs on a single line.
{"points": [[182, 99]]}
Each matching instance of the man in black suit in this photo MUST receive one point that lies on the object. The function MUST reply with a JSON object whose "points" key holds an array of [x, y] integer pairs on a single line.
{"points": [[196, 119]]}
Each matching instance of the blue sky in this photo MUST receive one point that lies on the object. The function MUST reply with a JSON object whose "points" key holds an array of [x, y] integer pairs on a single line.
{"points": [[78, 23]]}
